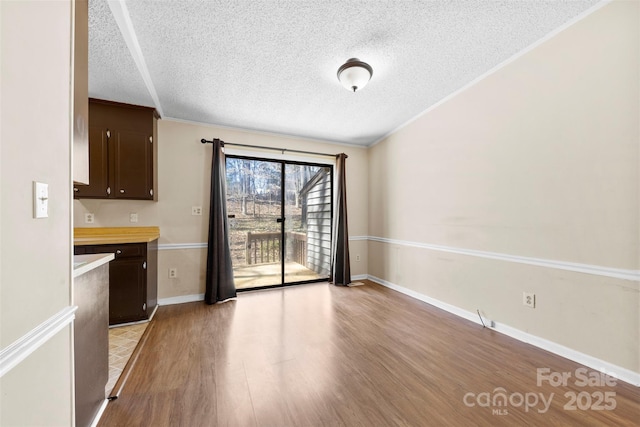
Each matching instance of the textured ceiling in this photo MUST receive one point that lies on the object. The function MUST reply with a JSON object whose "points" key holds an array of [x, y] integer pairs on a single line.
{"points": [[271, 65]]}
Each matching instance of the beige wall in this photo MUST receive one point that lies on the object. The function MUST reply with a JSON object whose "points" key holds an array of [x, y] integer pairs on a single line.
{"points": [[35, 392], [539, 159], [35, 254], [184, 168]]}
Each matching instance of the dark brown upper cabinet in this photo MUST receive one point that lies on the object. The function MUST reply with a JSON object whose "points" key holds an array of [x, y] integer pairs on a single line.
{"points": [[81, 93], [122, 152]]}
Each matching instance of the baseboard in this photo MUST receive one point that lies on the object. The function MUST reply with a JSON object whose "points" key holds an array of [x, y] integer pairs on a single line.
{"points": [[618, 372], [153, 313], [200, 297], [96, 419], [181, 299]]}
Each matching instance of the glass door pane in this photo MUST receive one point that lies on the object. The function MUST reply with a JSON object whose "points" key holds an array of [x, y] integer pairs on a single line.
{"points": [[254, 206], [308, 222]]}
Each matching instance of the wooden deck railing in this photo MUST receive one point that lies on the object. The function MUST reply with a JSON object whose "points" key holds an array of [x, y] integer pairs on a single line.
{"points": [[264, 248], [298, 242]]}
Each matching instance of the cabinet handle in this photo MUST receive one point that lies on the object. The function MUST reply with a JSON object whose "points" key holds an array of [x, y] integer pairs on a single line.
{"points": [[118, 252], [121, 191], [75, 189], [108, 133], [108, 190], [144, 265], [151, 139]]}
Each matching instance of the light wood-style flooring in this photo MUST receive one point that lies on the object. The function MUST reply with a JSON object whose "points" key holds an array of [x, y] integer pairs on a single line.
{"points": [[320, 355]]}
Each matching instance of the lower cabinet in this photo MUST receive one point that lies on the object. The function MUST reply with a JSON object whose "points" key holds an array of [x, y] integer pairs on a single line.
{"points": [[133, 279], [91, 338], [127, 296]]}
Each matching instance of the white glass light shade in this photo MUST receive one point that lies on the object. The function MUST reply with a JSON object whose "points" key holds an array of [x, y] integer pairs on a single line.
{"points": [[354, 74]]}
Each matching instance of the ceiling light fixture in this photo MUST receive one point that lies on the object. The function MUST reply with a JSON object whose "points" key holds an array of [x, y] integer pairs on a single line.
{"points": [[354, 74]]}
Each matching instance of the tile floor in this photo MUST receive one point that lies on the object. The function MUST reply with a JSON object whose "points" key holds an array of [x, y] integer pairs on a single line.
{"points": [[122, 342]]}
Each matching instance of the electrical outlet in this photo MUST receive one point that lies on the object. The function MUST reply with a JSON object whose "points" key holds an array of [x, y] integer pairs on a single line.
{"points": [[173, 273], [88, 218], [196, 210], [357, 257], [133, 217], [529, 299]]}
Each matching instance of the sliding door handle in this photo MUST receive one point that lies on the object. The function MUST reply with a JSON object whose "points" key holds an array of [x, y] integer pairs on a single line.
{"points": [[280, 219]]}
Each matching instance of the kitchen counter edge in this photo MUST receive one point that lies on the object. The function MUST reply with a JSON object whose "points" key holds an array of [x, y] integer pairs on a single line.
{"points": [[85, 263], [114, 235]]}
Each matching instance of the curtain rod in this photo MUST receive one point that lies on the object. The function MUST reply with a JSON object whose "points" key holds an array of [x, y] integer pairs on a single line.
{"points": [[282, 150]]}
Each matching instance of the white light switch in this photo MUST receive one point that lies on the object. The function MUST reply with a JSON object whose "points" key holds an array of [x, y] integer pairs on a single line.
{"points": [[40, 200]]}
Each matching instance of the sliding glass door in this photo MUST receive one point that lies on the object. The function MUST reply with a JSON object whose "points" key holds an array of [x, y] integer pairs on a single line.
{"points": [[279, 221], [254, 206], [308, 222]]}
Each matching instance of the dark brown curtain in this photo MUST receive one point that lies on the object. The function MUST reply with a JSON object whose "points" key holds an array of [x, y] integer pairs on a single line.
{"points": [[340, 266], [219, 282]]}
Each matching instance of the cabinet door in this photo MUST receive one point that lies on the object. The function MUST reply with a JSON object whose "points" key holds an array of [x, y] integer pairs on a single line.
{"points": [[98, 166], [152, 277], [132, 165], [80, 93], [127, 282]]}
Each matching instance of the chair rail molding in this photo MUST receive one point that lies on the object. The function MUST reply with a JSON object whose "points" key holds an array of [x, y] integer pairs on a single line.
{"points": [[178, 246], [203, 245], [618, 273], [20, 349]]}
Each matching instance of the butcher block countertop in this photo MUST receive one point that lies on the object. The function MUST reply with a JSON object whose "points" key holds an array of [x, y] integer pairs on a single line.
{"points": [[114, 235]]}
